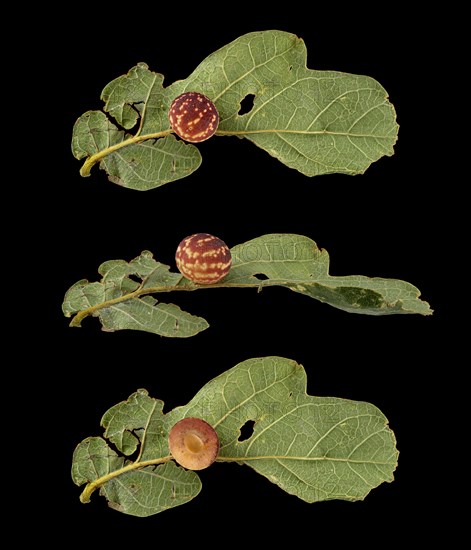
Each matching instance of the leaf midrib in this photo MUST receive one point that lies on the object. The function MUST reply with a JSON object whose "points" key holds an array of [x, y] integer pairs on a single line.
{"points": [[303, 458]]}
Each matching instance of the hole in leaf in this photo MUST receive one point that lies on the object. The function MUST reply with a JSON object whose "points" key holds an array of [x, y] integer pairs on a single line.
{"points": [[138, 433], [247, 430], [246, 104], [261, 277]]}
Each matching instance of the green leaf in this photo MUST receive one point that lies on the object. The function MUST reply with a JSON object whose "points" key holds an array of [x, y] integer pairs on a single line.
{"points": [[297, 263], [147, 491], [291, 261], [317, 122], [143, 492], [126, 305], [316, 448]]}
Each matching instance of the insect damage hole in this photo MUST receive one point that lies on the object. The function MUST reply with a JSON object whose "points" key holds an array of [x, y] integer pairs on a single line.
{"points": [[246, 104], [246, 431]]}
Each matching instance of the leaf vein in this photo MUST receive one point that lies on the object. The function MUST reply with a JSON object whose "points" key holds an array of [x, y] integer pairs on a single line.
{"points": [[244, 75], [360, 476], [239, 405], [334, 100]]}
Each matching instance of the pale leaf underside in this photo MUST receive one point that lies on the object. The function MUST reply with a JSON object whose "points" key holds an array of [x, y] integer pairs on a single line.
{"points": [[316, 448], [317, 122], [291, 261]]}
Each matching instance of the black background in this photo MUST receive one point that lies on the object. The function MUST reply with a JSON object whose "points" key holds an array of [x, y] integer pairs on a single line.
{"points": [[383, 223]]}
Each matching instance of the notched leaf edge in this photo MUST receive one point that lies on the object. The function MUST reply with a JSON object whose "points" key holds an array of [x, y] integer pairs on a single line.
{"points": [[122, 298], [157, 483], [326, 139]]}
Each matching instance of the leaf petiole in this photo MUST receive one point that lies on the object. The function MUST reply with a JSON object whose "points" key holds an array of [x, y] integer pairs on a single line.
{"points": [[97, 157], [81, 315], [91, 487]]}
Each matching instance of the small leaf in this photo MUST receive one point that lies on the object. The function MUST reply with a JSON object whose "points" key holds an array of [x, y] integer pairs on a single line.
{"points": [[145, 492], [125, 308], [291, 261], [317, 122], [135, 423], [316, 448]]}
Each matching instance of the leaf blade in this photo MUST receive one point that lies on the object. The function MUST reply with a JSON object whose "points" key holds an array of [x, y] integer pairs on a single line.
{"points": [[115, 300], [141, 491], [147, 315], [151, 163], [296, 262], [317, 122], [271, 391], [152, 490]]}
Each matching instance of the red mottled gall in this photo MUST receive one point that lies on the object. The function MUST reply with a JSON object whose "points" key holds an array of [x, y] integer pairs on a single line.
{"points": [[203, 258], [193, 117]]}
